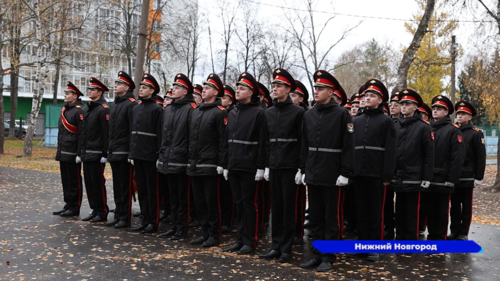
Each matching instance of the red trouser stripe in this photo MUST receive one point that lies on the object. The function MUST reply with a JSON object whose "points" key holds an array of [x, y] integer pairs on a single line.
{"points": [[256, 234], [382, 215], [78, 178], [189, 204], [418, 213], [130, 179], [218, 204]]}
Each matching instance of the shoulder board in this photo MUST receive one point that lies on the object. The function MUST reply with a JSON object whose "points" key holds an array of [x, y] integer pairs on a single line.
{"points": [[425, 121], [78, 106], [105, 105], [193, 105], [456, 126], [221, 107], [132, 99], [477, 129]]}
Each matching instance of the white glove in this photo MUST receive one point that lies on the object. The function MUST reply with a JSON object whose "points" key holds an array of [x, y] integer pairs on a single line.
{"points": [[449, 184], [226, 173], [131, 161], [259, 175], [425, 184], [104, 160], [298, 177], [342, 181], [220, 170], [304, 179], [78, 159], [477, 182], [157, 163], [266, 174]]}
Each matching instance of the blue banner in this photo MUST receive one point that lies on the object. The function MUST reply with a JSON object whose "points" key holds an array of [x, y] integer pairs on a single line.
{"points": [[397, 246]]}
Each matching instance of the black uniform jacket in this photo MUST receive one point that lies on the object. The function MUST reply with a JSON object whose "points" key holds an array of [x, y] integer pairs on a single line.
{"points": [[175, 136], [145, 130], [247, 138], [95, 130], [327, 145], [119, 127], [475, 156], [69, 134], [374, 145], [448, 155], [284, 127], [415, 154], [207, 139]]}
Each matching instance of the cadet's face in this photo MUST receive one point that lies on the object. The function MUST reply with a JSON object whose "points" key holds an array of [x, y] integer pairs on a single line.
{"points": [[167, 102], [226, 102], [439, 113], [121, 88], [354, 109], [408, 108], [94, 94], [178, 92], [463, 118], [395, 108], [280, 91], [362, 102], [197, 99], [145, 92], [296, 98], [70, 97], [372, 100], [425, 116], [243, 94], [208, 93], [323, 95]]}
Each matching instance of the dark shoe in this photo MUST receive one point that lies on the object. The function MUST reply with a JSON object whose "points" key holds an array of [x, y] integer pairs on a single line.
{"points": [[122, 224], [150, 229], [421, 233], [462, 238], [169, 233], [211, 242], [225, 229], [356, 255], [285, 258], [138, 228], [198, 241], [89, 217], [69, 213], [98, 218], [167, 219], [57, 213], [178, 235], [273, 254], [233, 248], [138, 214], [194, 223], [373, 257], [312, 263], [113, 222], [388, 235], [452, 236], [298, 241], [245, 250], [324, 266]]}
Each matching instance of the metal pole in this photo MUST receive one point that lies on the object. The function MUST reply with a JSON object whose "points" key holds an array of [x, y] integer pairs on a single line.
{"points": [[141, 45]]}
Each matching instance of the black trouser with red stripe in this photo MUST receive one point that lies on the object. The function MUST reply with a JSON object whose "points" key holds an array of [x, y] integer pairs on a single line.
{"points": [[350, 213], [407, 212], [341, 212], [122, 189], [71, 178], [245, 195], [301, 211], [436, 210], [95, 185], [206, 193], [370, 200], [389, 216], [163, 191], [264, 203], [461, 210], [226, 202], [284, 197], [179, 192], [147, 191], [324, 203]]}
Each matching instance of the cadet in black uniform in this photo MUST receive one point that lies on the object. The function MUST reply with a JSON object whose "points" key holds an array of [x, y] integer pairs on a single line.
{"points": [[284, 127], [68, 149], [207, 148], [118, 149], [174, 155], [264, 192], [228, 99], [94, 150], [414, 166], [471, 175], [448, 161], [375, 157], [145, 126], [197, 94], [246, 155], [426, 113], [327, 163]]}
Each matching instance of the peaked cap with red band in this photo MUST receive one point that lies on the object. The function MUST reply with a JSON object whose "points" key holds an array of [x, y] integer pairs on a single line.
{"points": [[425, 109], [149, 80], [409, 95], [302, 90], [183, 81], [96, 84], [323, 78], [377, 87], [265, 92], [355, 98], [348, 104], [159, 99], [385, 107], [361, 91], [198, 89], [168, 95], [123, 77], [71, 88], [281, 76], [395, 97], [247, 79], [444, 102], [229, 91], [465, 107], [213, 80]]}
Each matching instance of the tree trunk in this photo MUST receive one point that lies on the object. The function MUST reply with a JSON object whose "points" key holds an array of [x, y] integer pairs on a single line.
{"points": [[141, 45], [496, 185], [14, 89], [56, 81], [409, 55], [2, 110]]}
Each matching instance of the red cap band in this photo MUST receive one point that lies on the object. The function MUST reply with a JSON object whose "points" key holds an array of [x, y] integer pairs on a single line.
{"points": [[325, 82], [442, 103], [464, 109]]}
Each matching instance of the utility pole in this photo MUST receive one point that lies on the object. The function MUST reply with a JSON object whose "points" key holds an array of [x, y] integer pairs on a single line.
{"points": [[141, 45], [453, 60]]}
